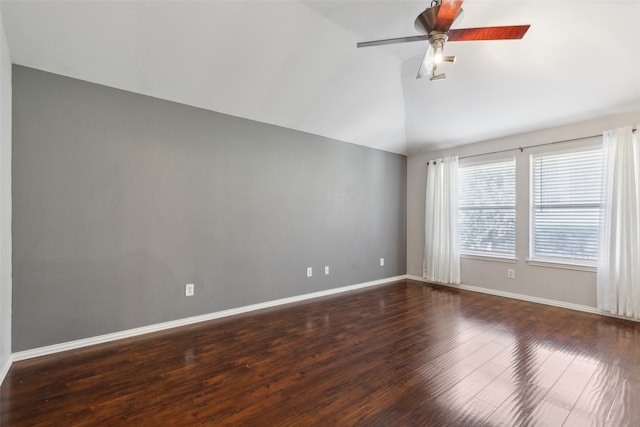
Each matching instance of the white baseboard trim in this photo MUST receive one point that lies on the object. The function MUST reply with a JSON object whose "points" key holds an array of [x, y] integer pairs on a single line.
{"points": [[562, 304], [4, 369], [85, 342]]}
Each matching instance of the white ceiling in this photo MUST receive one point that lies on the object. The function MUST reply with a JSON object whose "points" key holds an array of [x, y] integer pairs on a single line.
{"points": [[295, 63]]}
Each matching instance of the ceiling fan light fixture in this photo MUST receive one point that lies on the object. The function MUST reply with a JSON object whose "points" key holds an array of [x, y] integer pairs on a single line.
{"points": [[437, 40], [437, 56]]}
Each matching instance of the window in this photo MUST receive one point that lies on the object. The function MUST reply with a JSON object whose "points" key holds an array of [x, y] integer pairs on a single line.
{"points": [[487, 208], [565, 206]]}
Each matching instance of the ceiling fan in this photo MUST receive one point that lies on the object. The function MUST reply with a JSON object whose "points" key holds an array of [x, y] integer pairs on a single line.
{"points": [[435, 23]]}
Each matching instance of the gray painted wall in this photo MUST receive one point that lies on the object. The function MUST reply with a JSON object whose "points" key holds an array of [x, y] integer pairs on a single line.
{"points": [[119, 200]]}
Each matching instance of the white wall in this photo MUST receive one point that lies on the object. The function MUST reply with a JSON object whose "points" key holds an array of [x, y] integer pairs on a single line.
{"points": [[5, 204], [563, 285]]}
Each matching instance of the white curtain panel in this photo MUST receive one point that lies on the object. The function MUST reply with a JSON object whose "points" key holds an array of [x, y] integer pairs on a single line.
{"points": [[619, 247], [441, 254]]}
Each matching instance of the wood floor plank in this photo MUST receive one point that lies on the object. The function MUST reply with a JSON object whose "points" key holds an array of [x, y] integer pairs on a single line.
{"points": [[547, 414], [401, 354], [594, 404], [566, 391], [625, 409]]}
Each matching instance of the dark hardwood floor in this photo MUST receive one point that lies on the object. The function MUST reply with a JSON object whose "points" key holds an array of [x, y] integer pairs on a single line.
{"points": [[403, 354]]}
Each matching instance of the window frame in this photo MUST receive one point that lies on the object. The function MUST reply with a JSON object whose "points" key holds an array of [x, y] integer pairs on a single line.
{"points": [[482, 255], [551, 261]]}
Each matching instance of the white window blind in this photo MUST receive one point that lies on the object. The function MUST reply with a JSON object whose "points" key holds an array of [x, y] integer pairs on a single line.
{"points": [[565, 206], [487, 208]]}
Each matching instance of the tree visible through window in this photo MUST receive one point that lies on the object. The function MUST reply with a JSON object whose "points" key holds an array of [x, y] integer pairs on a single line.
{"points": [[487, 208]]}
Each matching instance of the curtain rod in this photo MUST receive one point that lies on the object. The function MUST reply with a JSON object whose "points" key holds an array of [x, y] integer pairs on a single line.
{"points": [[531, 146]]}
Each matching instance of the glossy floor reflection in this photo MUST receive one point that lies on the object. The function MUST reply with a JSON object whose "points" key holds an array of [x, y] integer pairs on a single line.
{"points": [[403, 354]]}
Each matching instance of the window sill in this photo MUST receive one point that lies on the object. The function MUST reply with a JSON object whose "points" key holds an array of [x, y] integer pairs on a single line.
{"points": [[492, 258], [563, 265]]}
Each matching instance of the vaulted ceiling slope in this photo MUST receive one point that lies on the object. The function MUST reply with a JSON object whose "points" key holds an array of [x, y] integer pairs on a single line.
{"points": [[295, 63]]}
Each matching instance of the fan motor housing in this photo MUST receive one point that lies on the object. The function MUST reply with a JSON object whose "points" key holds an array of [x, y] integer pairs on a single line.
{"points": [[426, 21]]}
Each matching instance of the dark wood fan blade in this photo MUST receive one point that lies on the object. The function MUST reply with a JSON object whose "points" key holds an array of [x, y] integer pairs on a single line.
{"points": [[488, 33], [393, 41], [447, 13]]}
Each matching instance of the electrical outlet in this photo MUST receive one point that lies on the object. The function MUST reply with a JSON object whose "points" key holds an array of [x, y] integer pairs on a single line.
{"points": [[326, 270], [189, 290], [511, 273], [381, 262], [309, 271]]}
